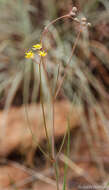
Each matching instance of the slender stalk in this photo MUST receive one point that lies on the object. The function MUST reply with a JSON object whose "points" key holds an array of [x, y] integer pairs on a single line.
{"points": [[73, 49], [62, 144], [33, 137], [68, 154], [52, 22], [53, 130], [55, 164], [55, 20], [56, 173], [57, 78], [53, 102], [43, 111]]}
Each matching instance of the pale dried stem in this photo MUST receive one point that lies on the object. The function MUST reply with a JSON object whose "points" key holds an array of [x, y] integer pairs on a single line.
{"points": [[61, 83]]}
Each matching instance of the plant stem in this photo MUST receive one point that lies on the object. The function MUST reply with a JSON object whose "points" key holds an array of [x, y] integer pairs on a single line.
{"points": [[62, 144], [73, 49], [55, 165], [68, 154], [33, 137], [56, 173], [57, 78], [43, 112], [52, 102], [53, 132], [52, 22]]}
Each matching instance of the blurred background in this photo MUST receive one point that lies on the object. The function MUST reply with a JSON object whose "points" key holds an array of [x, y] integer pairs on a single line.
{"points": [[83, 97]]}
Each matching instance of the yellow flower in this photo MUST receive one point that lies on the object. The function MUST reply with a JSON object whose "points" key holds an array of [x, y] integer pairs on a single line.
{"points": [[42, 53], [37, 46], [29, 54]]}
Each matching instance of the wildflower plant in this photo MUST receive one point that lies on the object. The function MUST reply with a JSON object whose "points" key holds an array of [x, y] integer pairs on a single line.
{"points": [[17, 32], [38, 49]]}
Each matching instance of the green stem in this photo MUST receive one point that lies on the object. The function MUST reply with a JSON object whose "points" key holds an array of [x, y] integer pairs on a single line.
{"points": [[43, 112], [53, 132], [56, 173], [62, 144], [68, 153], [55, 165], [33, 137], [52, 102]]}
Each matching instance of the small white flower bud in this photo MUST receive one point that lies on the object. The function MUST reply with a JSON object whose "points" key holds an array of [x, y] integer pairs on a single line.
{"points": [[74, 9], [76, 19], [83, 19], [89, 24]]}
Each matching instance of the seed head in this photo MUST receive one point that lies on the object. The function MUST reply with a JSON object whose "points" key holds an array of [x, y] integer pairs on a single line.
{"points": [[89, 24], [76, 19], [73, 12], [74, 9], [83, 19], [84, 24]]}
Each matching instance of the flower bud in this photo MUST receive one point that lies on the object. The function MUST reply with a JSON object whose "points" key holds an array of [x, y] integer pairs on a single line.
{"points": [[76, 19], [89, 24], [74, 9], [83, 19]]}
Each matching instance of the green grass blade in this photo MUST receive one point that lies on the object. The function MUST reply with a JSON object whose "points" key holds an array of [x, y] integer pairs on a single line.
{"points": [[57, 174], [67, 153]]}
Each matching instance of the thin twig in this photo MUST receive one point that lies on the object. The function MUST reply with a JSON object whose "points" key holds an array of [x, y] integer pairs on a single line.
{"points": [[52, 22], [73, 49]]}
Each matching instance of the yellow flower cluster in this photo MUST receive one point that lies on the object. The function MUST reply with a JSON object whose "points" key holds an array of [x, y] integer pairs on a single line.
{"points": [[42, 53], [37, 46], [30, 54]]}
